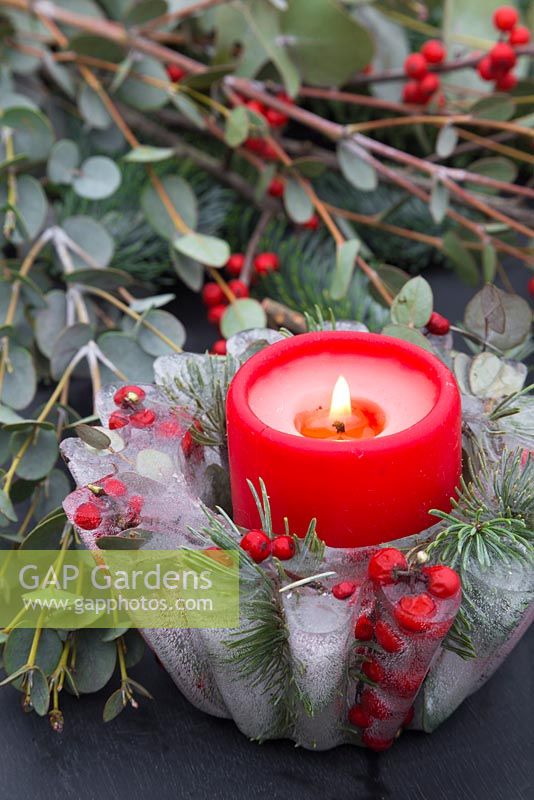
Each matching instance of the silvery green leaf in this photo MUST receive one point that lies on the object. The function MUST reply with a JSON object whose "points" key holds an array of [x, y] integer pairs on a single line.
{"points": [[413, 304]]}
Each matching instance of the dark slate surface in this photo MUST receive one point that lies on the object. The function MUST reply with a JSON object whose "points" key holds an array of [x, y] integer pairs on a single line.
{"points": [[169, 750]]}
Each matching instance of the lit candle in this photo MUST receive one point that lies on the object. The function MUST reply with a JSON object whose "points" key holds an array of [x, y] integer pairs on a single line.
{"points": [[361, 431]]}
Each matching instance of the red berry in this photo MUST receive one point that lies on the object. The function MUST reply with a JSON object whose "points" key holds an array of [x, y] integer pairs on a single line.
{"points": [[283, 547], [255, 145], [429, 85], [128, 395], [411, 93], [113, 486], [312, 224], [285, 98], [239, 288], [359, 717], [175, 72], [505, 18], [502, 57], [409, 717], [136, 503], [212, 295], [530, 287], [415, 66], [506, 82], [433, 51], [143, 419], [88, 516], [218, 348], [382, 564], [486, 69], [412, 611], [215, 314], [442, 581], [374, 743], [256, 107], [257, 544], [117, 420], [438, 325], [343, 590], [276, 188], [266, 262], [404, 684], [373, 670], [519, 36], [387, 638], [269, 152], [276, 119], [188, 444], [376, 707], [363, 630], [169, 429], [235, 264]]}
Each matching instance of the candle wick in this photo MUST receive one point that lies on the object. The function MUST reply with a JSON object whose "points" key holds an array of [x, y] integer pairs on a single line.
{"points": [[339, 426]]}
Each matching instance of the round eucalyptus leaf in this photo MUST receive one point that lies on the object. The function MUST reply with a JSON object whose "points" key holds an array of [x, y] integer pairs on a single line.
{"points": [[93, 109], [63, 160], [135, 648], [156, 301], [47, 533], [93, 238], [20, 381], [39, 692], [296, 201], [33, 134], [71, 339], [189, 109], [146, 154], [50, 321], [52, 492], [99, 177], [141, 95], [31, 206], [154, 464], [407, 335], [413, 304], [18, 646], [125, 353], [241, 316], [87, 44], [496, 106], [103, 278], [10, 99], [510, 331], [171, 327], [95, 661], [446, 141], [60, 75], [182, 198], [355, 169], [189, 271], [145, 10], [39, 457], [236, 127], [209, 250]]}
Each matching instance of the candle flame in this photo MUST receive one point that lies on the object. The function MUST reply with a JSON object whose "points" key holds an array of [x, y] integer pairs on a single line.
{"points": [[341, 405]]}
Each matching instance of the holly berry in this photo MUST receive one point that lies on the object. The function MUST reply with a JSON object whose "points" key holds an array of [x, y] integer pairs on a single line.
{"points": [[312, 223], [169, 429], [486, 69], [376, 707], [117, 420], [255, 145], [143, 419], [343, 590], [136, 503], [387, 638], [382, 564], [505, 18], [415, 66], [215, 314], [266, 262], [375, 743], [269, 153], [442, 581], [188, 444], [257, 544], [433, 51], [212, 295], [519, 36], [438, 325], [276, 188], [413, 611], [283, 547], [359, 717], [128, 395], [256, 107], [235, 264], [429, 85], [113, 486], [276, 119], [403, 684], [412, 94], [502, 57], [239, 288], [87, 516], [363, 630], [373, 670], [175, 72], [218, 348], [506, 82]]}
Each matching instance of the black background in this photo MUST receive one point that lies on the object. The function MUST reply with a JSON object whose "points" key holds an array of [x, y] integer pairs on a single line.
{"points": [[169, 750]]}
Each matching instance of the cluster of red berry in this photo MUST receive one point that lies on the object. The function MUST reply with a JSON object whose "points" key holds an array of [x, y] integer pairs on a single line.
{"points": [[423, 84], [275, 119], [259, 546], [106, 507], [404, 615], [498, 64]]}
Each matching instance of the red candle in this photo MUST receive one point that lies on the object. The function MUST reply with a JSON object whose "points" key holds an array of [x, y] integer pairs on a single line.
{"points": [[369, 468]]}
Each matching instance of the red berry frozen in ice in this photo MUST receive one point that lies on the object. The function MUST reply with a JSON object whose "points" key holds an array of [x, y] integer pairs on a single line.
{"points": [[276, 188], [136, 503], [374, 705], [359, 717], [363, 630], [502, 57], [433, 51], [283, 547], [239, 288], [117, 420], [175, 72], [215, 314], [404, 684], [373, 670], [413, 612], [415, 66], [113, 486], [266, 262], [375, 743], [235, 264], [257, 544], [343, 590], [506, 82], [128, 396], [168, 429], [442, 581], [212, 295], [384, 563], [143, 419], [505, 18], [387, 638], [438, 325], [87, 516], [519, 36], [218, 348]]}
